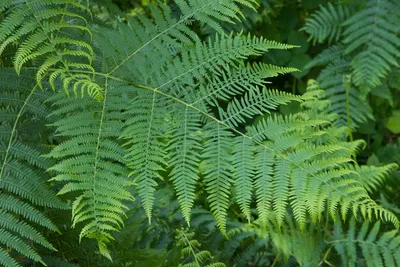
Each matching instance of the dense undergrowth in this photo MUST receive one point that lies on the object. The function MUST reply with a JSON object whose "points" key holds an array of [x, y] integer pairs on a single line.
{"points": [[199, 133]]}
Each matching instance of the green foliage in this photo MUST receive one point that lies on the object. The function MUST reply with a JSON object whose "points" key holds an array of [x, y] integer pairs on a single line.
{"points": [[22, 175], [166, 117], [326, 23], [42, 32], [90, 161], [191, 249], [378, 250]]}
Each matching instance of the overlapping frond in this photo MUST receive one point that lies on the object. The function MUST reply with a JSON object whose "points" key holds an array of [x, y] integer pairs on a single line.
{"points": [[337, 81], [185, 147], [90, 161], [42, 31], [326, 23], [151, 41], [372, 33], [373, 177], [23, 189], [377, 250], [146, 149]]}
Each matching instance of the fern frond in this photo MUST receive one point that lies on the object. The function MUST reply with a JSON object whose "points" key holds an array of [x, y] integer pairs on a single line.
{"points": [[91, 162], [146, 151], [42, 33], [243, 165], [383, 250], [146, 36], [217, 171], [208, 57], [231, 81], [373, 177], [326, 23], [257, 102], [373, 32], [184, 147], [190, 249], [22, 187], [345, 99]]}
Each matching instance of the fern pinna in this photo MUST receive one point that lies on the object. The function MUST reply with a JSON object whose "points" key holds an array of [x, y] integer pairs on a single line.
{"points": [[157, 105]]}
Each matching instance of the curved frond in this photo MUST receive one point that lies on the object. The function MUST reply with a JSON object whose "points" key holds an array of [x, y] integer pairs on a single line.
{"points": [[90, 161], [42, 31]]}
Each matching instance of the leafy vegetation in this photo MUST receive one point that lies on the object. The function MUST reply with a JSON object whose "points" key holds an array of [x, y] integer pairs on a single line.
{"points": [[199, 133]]}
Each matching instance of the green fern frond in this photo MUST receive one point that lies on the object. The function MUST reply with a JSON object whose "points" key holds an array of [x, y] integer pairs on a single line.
{"points": [[231, 81], [326, 23], [345, 99], [383, 250], [243, 165], [373, 177], [255, 102], [22, 187], [208, 57], [167, 31], [146, 151], [42, 32], [185, 146], [217, 171], [90, 161], [197, 258], [372, 32]]}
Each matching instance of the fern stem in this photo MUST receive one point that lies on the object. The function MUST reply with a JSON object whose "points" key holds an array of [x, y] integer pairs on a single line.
{"points": [[348, 114], [13, 131], [276, 259], [96, 158], [187, 241]]}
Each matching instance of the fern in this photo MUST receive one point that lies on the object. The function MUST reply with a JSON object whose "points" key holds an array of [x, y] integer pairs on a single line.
{"points": [[336, 80], [377, 250], [42, 31], [91, 161], [23, 192], [373, 32], [326, 23], [373, 177], [191, 249], [172, 108]]}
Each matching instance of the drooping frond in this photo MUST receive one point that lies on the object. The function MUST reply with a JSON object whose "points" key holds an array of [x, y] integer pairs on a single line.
{"points": [[377, 250], [244, 166], [90, 161], [42, 31], [217, 170], [184, 147], [372, 33], [146, 149], [23, 188], [326, 23], [164, 90]]}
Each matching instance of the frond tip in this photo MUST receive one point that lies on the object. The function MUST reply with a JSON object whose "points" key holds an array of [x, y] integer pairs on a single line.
{"points": [[42, 34]]}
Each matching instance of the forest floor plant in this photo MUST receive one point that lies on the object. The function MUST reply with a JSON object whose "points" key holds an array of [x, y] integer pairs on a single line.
{"points": [[108, 119]]}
